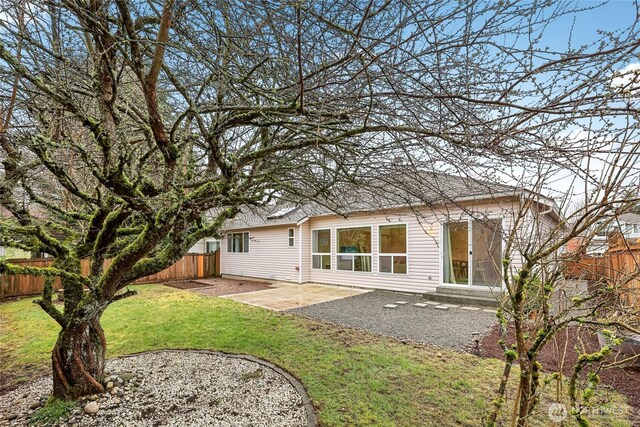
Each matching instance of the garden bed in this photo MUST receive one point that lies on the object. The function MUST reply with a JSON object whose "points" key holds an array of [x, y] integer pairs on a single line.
{"points": [[560, 353], [215, 287]]}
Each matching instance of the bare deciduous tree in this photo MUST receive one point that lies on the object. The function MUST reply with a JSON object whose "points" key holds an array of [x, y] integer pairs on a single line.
{"points": [[133, 119]]}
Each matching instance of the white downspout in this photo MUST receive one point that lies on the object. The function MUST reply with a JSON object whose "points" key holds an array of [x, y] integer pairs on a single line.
{"points": [[300, 254], [299, 224]]}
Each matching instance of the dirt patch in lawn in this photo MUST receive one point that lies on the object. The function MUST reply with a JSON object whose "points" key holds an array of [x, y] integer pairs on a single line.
{"points": [[560, 353], [186, 285], [215, 287]]}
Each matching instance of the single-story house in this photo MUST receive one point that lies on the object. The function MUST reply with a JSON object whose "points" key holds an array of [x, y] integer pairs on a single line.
{"points": [[412, 235]]}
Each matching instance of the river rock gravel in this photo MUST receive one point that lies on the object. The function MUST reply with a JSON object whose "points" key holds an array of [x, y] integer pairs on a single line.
{"points": [[173, 388]]}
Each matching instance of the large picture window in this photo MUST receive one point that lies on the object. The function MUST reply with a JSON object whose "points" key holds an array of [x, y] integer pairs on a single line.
{"points": [[392, 257], [472, 252], [238, 242], [321, 249], [354, 249]]}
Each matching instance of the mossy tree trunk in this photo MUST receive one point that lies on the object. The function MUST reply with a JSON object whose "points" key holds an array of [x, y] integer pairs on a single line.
{"points": [[78, 358]]}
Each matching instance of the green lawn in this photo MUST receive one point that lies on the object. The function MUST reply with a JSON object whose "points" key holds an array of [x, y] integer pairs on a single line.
{"points": [[353, 377]]}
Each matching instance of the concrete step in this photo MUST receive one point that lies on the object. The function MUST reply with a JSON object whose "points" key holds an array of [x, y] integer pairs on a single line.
{"points": [[448, 298], [472, 291]]}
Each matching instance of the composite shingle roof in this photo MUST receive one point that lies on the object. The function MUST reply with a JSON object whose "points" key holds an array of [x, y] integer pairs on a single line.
{"points": [[398, 189]]}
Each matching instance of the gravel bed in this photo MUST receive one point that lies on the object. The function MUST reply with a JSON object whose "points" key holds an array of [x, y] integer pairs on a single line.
{"points": [[450, 329], [174, 388]]}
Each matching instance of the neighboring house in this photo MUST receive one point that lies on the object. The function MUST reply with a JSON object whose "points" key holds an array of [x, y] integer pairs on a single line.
{"points": [[627, 224], [630, 225], [430, 231], [205, 246]]}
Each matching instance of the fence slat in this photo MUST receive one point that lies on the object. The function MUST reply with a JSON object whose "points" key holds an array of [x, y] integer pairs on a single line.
{"points": [[185, 268]]}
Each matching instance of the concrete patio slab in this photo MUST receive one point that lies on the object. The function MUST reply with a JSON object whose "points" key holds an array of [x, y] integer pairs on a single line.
{"points": [[286, 296]]}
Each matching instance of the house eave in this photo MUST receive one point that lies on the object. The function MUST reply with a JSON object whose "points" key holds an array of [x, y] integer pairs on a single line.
{"points": [[249, 227], [543, 200], [303, 220]]}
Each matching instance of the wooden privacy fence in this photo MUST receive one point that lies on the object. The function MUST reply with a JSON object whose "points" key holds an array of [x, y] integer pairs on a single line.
{"points": [[617, 265], [587, 267], [625, 261], [190, 266]]}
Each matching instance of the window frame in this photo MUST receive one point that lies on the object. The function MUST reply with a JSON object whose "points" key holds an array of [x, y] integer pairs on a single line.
{"points": [[206, 246], [355, 254], [469, 222], [291, 234], [245, 240], [384, 254], [321, 254]]}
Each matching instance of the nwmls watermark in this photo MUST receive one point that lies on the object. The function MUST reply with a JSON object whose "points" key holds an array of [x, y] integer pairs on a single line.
{"points": [[558, 412]]}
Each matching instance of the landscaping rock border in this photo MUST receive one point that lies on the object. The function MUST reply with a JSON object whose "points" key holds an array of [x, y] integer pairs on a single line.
{"points": [[184, 387]]}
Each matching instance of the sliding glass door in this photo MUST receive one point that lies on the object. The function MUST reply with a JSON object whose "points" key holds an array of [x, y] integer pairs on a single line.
{"points": [[456, 252], [486, 253], [472, 253]]}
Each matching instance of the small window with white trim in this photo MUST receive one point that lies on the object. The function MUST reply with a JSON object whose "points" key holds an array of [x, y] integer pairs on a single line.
{"points": [[292, 237], [392, 256], [321, 249], [238, 242]]}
